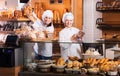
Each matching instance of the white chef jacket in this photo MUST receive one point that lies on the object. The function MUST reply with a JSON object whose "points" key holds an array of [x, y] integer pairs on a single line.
{"points": [[68, 48], [44, 49]]}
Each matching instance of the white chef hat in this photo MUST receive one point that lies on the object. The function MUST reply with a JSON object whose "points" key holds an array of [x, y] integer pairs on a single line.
{"points": [[67, 15], [47, 13]]}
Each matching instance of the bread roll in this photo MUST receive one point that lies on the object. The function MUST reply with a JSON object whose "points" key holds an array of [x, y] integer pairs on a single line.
{"points": [[60, 62], [75, 64], [69, 64]]}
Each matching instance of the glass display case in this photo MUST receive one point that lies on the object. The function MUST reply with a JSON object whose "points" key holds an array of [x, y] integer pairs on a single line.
{"points": [[87, 64], [50, 66]]}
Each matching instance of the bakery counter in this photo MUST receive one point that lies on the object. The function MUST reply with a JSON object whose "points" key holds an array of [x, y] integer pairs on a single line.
{"points": [[50, 74]]}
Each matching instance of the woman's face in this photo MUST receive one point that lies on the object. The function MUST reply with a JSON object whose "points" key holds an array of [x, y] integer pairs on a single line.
{"points": [[47, 20], [68, 23]]}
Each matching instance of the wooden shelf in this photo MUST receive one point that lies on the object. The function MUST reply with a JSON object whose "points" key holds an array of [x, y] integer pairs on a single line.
{"points": [[105, 8], [107, 24], [109, 27], [110, 41], [15, 20]]}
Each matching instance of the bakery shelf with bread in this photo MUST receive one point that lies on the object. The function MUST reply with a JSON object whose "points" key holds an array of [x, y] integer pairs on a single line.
{"points": [[112, 6]]}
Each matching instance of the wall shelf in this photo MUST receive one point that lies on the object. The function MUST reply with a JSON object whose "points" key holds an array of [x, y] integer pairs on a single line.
{"points": [[100, 6], [108, 21], [107, 24]]}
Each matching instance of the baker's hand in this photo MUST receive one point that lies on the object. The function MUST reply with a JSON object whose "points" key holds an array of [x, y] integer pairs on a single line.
{"points": [[80, 34], [73, 38]]}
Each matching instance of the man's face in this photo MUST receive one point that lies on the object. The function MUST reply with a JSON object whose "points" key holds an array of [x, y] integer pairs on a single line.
{"points": [[47, 20], [68, 23]]}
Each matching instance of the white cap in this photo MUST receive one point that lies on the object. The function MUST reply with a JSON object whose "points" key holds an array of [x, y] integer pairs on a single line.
{"points": [[47, 13], [67, 15]]}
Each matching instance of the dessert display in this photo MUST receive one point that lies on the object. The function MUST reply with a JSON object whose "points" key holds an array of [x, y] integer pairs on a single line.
{"points": [[91, 51], [86, 66]]}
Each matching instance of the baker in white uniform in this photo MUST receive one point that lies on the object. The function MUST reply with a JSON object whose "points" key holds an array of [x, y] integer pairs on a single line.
{"points": [[68, 38], [43, 50]]}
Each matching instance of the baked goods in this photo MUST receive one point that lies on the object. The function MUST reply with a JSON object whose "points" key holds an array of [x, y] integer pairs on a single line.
{"points": [[80, 64], [93, 70], [6, 14], [93, 66], [60, 62], [56, 17], [38, 9], [70, 64], [27, 10], [17, 14], [91, 51], [73, 58], [75, 65]]}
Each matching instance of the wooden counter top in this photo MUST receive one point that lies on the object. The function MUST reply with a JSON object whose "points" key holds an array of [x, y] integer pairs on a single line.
{"points": [[50, 74]]}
